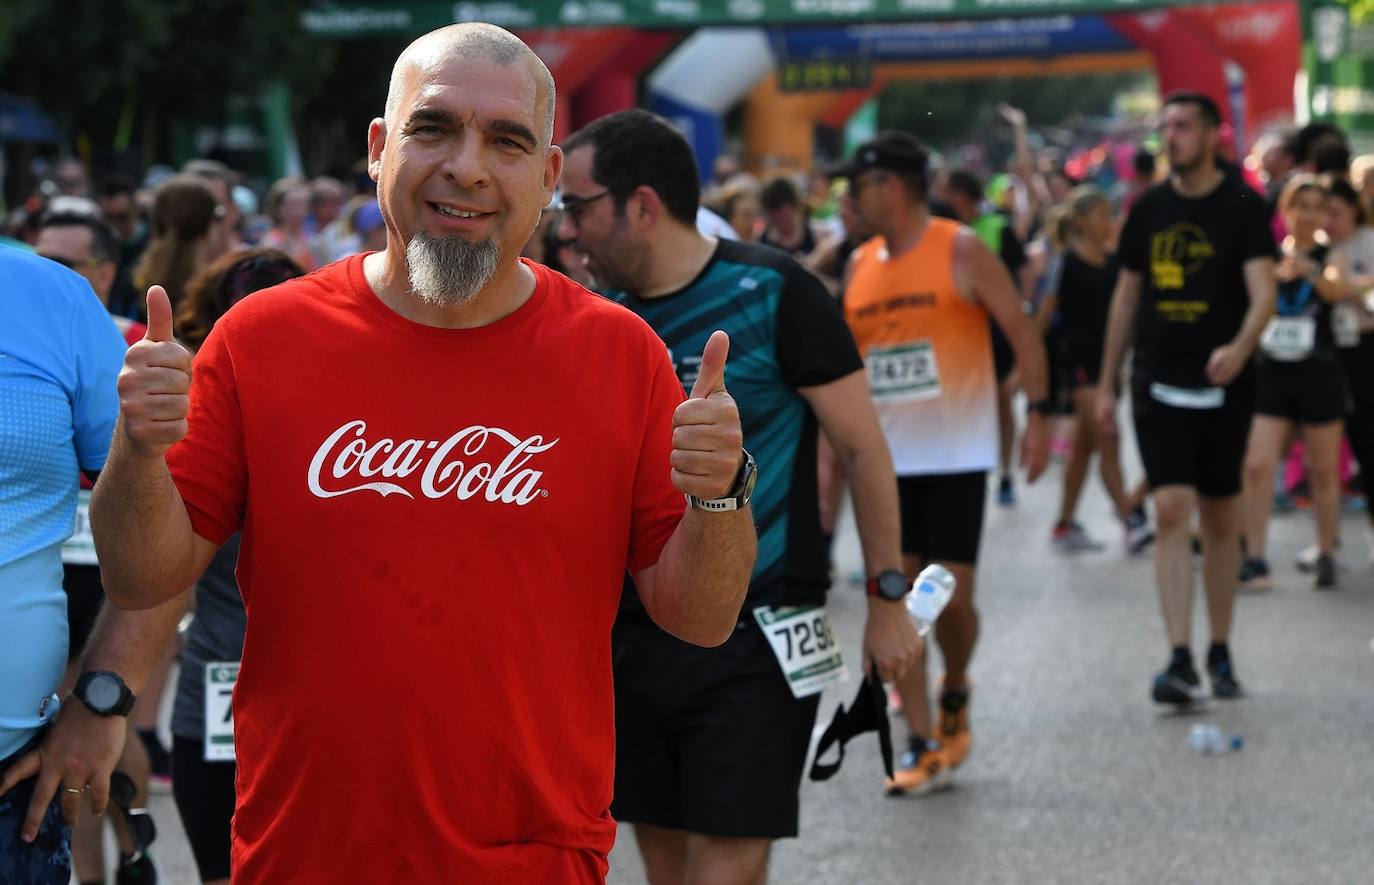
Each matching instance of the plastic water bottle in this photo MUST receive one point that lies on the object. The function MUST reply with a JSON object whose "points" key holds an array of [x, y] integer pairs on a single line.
{"points": [[1209, 740], [929, 595]]}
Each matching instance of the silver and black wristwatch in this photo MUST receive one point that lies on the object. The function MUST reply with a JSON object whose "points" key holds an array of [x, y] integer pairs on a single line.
{"points": [[740, 491]]}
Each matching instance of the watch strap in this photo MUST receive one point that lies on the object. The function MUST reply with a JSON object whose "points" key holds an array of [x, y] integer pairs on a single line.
{"points": [[740, 490], [122, 707]]}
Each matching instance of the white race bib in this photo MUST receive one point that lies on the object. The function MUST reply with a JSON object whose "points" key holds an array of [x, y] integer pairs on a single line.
{"points": [[1289, 339], [805, 647], [79, 549], [1188, 397], [903, 372], [1345, 325], [219, 710]]}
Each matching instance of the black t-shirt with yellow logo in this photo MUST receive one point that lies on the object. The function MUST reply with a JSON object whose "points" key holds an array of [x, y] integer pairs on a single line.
{"points": [[1190, 254]]}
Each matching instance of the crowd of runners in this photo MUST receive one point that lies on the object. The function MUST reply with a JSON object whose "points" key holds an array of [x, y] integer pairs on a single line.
{"points": [[571, 550]]}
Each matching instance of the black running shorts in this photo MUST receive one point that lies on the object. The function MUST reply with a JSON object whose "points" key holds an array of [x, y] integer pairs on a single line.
{"points": [[85, 597], [204, 793], [708, 740], [942, 515], [1201, 448], [1305, 393]]}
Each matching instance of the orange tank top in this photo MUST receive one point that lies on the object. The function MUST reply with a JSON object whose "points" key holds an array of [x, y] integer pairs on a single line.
{"points": [[928, 354]]}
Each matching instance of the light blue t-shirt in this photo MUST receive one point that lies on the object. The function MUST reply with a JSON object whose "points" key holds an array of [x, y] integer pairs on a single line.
{"points": [[60, 354]]}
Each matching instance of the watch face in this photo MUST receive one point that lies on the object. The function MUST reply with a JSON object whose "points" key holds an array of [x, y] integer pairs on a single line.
{"points": [[102, 692], [892, 585]]}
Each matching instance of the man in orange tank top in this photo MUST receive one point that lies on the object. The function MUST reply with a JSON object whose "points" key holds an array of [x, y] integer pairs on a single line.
{"points": [[918, 298]]}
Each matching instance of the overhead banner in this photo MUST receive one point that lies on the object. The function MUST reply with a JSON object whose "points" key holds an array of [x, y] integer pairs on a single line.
{"points": [[1033, 37], [1339, 59], [363, 20]]}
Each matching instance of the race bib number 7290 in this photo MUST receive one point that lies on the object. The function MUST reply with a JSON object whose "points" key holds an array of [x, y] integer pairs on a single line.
{"points": [[804, 645]]}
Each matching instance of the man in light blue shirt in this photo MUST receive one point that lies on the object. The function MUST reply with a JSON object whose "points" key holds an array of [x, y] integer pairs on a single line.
{"points": [[60, 355]]}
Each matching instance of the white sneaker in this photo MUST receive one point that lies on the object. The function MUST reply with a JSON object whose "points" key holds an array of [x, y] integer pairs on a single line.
{"points": [[1307, 559]]}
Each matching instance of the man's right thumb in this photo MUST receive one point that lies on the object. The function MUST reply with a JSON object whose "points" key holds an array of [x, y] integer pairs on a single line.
{"points": [[159, 315]]}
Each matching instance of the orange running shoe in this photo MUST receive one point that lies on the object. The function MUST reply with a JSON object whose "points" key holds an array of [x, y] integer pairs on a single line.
{"points": [[920, 770], [955, 738]]}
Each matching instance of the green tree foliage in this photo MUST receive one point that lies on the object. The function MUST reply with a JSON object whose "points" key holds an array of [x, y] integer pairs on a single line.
{"points": [[117, 70]]}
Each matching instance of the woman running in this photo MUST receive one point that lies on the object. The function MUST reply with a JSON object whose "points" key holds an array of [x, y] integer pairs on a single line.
{"points": [[1082, 298], [1299, 385]]}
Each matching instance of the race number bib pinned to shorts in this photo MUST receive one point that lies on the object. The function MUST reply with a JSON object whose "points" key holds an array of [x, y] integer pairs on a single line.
{"points": [[219, 710], [1345, 325], [79, 549], [1289, 339], [903, 372], [1188, 397], [804, 645]]}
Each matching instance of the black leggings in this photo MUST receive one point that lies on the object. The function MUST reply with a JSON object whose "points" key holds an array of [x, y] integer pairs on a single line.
{"points": [[1359, 426], [204, 793]]}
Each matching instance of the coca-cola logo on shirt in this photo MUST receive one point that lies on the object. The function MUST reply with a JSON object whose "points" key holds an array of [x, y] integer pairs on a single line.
{"points": [[476, 460]]}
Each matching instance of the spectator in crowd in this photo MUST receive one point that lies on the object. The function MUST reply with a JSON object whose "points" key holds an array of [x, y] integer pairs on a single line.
{"points": [[188, 232], [222, 183], [288, 205]]}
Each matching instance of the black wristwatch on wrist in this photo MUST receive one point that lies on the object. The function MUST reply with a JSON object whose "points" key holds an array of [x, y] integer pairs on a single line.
{"points": [[104, 693], [741, 490], [890, 585], [1041, 407]]}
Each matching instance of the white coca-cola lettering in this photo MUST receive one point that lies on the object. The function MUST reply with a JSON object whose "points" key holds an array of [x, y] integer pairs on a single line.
{"points": [[462, 466]]}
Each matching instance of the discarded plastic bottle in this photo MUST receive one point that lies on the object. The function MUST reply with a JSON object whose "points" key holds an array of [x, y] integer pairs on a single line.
{"points": [[1209, 740], [929, 595]]}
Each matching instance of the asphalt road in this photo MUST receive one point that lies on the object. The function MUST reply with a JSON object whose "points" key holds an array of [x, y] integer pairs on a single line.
{"points": [[1075, 776]]}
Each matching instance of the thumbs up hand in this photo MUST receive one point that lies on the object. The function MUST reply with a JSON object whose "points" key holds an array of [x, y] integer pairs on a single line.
{"points": [[707, 439], [154, 383]]}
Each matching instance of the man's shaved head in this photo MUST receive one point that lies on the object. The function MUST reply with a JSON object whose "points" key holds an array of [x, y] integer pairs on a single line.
{"points": [[471, 39]]}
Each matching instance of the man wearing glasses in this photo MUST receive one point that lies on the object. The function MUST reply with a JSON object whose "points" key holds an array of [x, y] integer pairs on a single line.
{"points": [[711, 744]]}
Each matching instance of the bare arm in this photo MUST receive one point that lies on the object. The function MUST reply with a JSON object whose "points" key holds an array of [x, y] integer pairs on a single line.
{"points": [[1024, 167], [696, 588], [983, 279], [821, 262], [1230, 359], [1335, 285], [143, 538], [846, 414], [82, 748], [147, 549]]}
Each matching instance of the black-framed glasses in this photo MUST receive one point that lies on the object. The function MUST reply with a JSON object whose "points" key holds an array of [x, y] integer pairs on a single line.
{"points": [[574, 207]]}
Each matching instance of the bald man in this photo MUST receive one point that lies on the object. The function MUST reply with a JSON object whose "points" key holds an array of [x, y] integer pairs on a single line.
{"points": [[443, 460]]}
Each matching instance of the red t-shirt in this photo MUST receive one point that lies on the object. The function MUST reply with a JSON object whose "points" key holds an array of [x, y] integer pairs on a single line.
{"points": [[436, 525]]}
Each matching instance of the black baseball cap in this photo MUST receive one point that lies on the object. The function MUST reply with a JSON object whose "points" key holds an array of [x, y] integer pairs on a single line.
{"points": [[894, 151]]}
